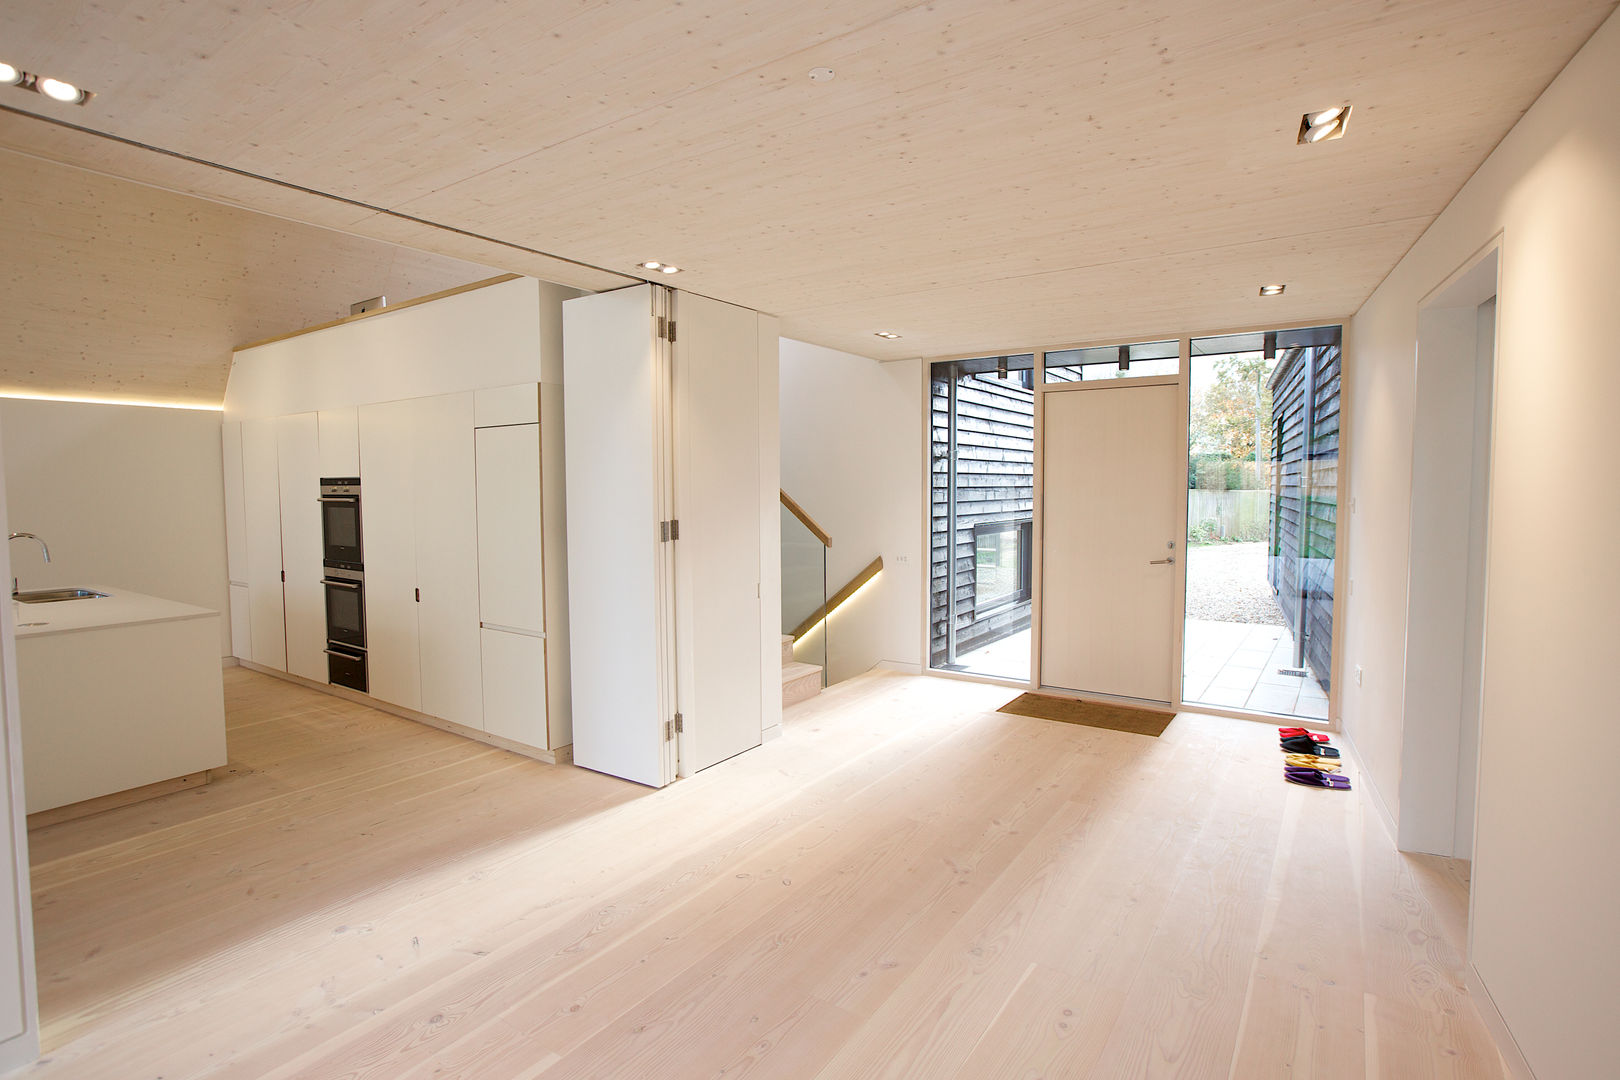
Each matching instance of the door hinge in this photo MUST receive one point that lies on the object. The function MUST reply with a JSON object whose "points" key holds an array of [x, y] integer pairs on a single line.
{"points": [[672, 329], [680, 724], [665, 328], [669, 530], [675, 529], [673, 727]]}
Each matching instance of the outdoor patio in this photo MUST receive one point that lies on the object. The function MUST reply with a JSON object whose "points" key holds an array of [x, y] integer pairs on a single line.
{"points": [[1236, 665]]}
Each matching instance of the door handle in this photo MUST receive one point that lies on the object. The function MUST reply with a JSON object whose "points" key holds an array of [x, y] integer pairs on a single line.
{"points": [[1161, 562]]}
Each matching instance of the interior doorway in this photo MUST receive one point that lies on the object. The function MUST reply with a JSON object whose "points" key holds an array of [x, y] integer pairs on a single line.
{"points": [[1109, 538], [1262, 521], [1447, 586]]}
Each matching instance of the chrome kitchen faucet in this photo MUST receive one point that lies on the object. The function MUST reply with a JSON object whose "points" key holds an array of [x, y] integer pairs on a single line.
{"points": [[43, 550]]}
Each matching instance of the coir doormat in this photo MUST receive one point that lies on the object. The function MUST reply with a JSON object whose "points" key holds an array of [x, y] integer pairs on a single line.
{"points": [[1090, 713]]}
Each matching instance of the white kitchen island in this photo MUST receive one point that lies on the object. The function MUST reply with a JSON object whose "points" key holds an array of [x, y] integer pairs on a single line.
{"points": [[122, 698]]}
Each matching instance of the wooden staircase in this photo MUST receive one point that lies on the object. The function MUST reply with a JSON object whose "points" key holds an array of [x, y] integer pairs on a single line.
{"points": [[800, 682]]}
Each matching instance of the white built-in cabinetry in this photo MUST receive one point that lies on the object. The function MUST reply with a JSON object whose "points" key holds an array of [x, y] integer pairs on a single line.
{"points": [[236, 558], [261, 522], [511, 582], [298, 467], [461, 502], [419, 522]]}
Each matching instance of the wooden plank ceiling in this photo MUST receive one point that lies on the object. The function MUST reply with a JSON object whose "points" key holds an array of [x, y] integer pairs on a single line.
{"points": [[121, 291], [976, 176]]}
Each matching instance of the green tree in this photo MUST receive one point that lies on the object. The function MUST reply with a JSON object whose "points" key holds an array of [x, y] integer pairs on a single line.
{"points": [[1229, 416]]}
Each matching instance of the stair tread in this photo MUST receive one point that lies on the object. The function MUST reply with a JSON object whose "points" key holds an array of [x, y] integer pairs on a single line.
{"points": [[798, 671]]}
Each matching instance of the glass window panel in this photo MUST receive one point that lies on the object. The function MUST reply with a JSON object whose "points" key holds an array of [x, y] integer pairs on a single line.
{"points": [[1136, 361], [982, 435]]}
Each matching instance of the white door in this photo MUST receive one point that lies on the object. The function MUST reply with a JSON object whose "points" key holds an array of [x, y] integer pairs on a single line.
{"points": [[616, 409], [299, 468], [261, 515], [1114, 467], [511, 589], [388, 523], [446, 557], [718, 506]]}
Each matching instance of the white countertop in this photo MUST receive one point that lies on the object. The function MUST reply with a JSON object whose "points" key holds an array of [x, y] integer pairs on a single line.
{"points": [[119, 607]]}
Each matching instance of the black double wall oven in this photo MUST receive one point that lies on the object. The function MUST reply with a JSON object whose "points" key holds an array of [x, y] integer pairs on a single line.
{"points": [[345, 582]]}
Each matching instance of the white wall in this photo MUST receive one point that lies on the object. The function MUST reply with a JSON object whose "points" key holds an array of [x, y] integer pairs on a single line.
{"points": [[19, 1010], [851, 456], [125, 495], [1547, 824]]}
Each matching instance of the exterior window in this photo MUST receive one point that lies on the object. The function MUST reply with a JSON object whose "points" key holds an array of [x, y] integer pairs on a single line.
{"points": [[1002, 564], [1114, 362]]}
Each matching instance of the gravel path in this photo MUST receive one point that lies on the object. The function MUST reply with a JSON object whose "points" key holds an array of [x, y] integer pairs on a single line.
{"points": [[1227, 583]]}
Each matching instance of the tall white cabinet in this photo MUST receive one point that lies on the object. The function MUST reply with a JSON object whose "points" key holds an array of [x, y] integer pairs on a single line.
{"points": [[418, 509], [666, 510], [261, 516]]}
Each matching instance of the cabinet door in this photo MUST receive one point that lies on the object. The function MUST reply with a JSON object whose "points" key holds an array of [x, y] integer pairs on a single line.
{"points": [[446, 557], [340, 442], [388, 522], [515, 687], [261, 506], [298, 454], [511, 589]]}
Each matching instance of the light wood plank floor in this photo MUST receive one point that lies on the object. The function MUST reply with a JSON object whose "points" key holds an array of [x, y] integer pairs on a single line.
{"points": [[906, 884]]}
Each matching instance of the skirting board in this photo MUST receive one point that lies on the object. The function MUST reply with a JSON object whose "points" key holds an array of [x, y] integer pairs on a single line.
{"points": [[899, 665], [562, 755], [20, 1050], [229, 662], [772, 732], [1365, 780], [1512, 1057], [73, 811]]}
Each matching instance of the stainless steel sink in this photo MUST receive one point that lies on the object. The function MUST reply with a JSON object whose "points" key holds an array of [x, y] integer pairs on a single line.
{"points": [[51, 596]]}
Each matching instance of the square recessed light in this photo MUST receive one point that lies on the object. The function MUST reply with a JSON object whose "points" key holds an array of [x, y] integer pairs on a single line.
{"points": [[1272, 290], [1323, 124]]}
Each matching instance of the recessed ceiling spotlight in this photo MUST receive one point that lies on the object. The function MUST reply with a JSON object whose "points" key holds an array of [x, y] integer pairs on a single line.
{"points": [[651, 264], [1315, 127], [10, 76], [1272, 290], [668, 269], [64, 92], [888, 335], [822, 74]]}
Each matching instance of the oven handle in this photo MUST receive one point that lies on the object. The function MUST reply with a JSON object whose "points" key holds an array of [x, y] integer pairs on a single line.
{"points": [[341, 584], [339, 499], [343, 655]]}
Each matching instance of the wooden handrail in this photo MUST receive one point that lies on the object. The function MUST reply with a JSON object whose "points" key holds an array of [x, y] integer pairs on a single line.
{"points": [[855, 583], [804, 518]]}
